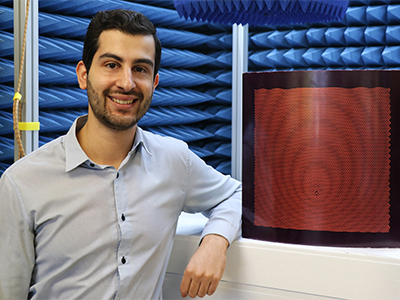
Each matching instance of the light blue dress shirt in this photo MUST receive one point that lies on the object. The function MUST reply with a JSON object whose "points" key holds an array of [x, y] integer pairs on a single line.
{"points": [[72, 229]]}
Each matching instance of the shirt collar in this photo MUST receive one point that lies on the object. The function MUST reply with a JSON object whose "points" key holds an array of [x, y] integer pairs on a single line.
{"points": [[75, 156], [140, 140]]}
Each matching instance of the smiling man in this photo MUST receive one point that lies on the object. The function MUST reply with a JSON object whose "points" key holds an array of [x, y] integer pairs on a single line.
{"points": [[93, 214]]}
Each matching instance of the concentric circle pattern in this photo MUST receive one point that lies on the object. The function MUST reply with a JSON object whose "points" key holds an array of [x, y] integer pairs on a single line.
{"points": [[322, 159]]}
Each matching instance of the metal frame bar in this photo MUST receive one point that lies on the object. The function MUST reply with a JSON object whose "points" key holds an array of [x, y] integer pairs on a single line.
{"points": [[240, 43], [30, 76]]}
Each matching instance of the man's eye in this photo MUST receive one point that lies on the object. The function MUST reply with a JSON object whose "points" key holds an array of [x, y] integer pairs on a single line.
{"points": [[140, 69], [112, 65]]}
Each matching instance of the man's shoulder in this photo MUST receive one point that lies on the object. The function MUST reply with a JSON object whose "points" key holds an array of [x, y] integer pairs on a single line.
{"points": [[49, 154], [154, 140]]}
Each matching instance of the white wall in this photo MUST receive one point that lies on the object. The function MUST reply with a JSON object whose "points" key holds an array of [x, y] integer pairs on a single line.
{"points": [[264, 270]]}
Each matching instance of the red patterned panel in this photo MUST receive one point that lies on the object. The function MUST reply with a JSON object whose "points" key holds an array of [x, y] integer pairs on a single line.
{"points": [[322, 159]]}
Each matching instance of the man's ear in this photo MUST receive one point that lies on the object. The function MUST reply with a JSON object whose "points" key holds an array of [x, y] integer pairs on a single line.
{"points": [[81, 73], [156, 79]]}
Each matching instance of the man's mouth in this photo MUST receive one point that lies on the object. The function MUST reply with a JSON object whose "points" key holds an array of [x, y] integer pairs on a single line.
{"points": [[120, 101]]}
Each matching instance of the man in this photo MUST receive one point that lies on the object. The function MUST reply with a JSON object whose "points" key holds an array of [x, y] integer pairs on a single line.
{"points": [[92, 214]]}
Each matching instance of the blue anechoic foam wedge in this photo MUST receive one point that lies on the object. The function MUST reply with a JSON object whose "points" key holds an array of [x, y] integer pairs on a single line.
{"points": [[55, 49], [182, 78], [220, 59], [220, 113], [221, 77], [74, 7], [7, 18], [313, 57], [224, 150], [49, 124], [6, 96], [179, 97], [354, 36], [60, 97], [220, 95], [58, 120], [275, 12], [391, 55], [260, 40], [335, 36], [219, 148], [316, 37], [332, 57], [392, 34], [295, 58], [175, 58], [220, 131], [62, 26], [174, 38], [375, 35], [393, 13], [297, 38], [372, 56], [356, 16], [278, 39], [6, 44], [201, 152], [221, 164], [259, 59], [164, 116], [6, 149], [351, 56], [277, 57], [6, 71], [186, 133], [6, 123], [222, 40], [376, 15], [57, 73]]}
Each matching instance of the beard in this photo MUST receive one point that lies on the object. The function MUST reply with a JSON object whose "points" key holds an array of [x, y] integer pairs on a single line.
{"points": [[98, 104]]}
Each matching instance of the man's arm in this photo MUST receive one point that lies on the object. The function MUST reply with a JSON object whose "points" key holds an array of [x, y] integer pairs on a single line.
{"points": [[219, 198], [17, 256], [205, 268]]}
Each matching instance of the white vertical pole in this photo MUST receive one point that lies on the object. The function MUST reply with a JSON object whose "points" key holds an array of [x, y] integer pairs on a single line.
{"points": [[239, 66], [30, 76]]}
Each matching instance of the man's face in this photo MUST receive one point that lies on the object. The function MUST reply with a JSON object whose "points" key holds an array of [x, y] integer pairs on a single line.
{"points": [[121, 81]]}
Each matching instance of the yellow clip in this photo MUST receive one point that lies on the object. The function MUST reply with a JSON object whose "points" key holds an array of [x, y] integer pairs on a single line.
{"points": [[26, 126], [17, 96]]}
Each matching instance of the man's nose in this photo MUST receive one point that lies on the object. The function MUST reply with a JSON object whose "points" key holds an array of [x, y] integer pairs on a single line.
{"points": [[126, 80]]}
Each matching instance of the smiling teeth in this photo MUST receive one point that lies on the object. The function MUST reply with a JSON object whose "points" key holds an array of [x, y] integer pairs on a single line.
{"points": [[121, 101]]}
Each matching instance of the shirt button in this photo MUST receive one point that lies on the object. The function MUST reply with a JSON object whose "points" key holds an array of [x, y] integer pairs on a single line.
{"points": [[123, 217], [118, 175], [92, 165], [123, 260]]}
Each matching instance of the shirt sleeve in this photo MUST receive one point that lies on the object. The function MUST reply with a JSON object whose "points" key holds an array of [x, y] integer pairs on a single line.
{"points": [[217, 196], [17, 256]]}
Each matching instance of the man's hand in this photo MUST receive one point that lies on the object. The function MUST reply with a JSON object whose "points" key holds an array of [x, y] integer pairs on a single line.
{"points": [[205, 268]]}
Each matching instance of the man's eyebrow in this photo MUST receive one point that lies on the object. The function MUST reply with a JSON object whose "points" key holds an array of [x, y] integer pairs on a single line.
{"points": [[144, 61], [110, 55], [137, 61]]}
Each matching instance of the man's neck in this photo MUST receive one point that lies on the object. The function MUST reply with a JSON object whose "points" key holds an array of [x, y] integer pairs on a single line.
{"points": [[103, 145]]}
